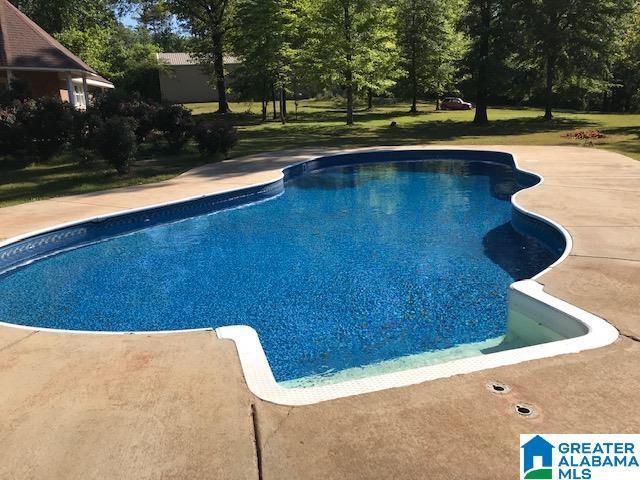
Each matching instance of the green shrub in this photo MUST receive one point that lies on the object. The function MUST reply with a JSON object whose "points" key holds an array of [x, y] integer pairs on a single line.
{"points": [[18, 92], [11, 138], [215, 138], [86, 158], [109, 104], [120, 103], [46, 124], [145, 114], [116, 142], [176, 125], [84, 134]]}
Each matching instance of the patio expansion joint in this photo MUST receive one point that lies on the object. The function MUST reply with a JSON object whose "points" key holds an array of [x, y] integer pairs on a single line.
{"points": [[589, 187], [105, 205], [566, 225], [604, 257], [20, 340], [257, 441], [633, 338]]}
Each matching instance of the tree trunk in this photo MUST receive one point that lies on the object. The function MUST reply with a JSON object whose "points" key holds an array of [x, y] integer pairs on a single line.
{"points": [[349, 71], [284, 102], [482, 88], [437, 103], [414, 76], [218, 70], [349, 104], [283, 105], [273, 97], [295, 98], [264, 101], [369, 99], [548, 93], [413, 68], [414, 97]]}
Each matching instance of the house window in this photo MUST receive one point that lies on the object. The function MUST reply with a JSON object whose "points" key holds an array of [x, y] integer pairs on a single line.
{"points": [[81, 101]]}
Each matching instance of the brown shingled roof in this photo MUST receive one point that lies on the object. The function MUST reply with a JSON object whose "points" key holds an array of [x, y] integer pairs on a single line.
{"points": [[24, 45]]}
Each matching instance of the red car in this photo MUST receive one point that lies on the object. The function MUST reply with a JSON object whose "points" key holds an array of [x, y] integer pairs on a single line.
{"points": [[454, 103]]}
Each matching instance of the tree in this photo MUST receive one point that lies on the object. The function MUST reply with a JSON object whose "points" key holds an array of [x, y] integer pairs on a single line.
{"points": [[125, 56], [382, 71], [625, 89], [346, 40], [209, 22], [54, 16], [430, 45], [266, 40], [565, 38], [479, 22], [160, 24]]}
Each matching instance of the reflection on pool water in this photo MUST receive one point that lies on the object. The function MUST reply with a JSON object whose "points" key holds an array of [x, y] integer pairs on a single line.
{"points": [[378, 266]]}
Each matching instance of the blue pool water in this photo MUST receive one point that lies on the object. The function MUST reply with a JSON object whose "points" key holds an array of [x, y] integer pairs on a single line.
{"points": [[348, 267]]}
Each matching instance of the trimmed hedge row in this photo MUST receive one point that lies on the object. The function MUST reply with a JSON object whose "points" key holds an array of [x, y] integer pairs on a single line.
{"points": [[112, 128]]}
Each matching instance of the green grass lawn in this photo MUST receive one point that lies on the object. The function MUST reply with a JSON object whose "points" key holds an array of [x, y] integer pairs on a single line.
{"points": [[321, 123]]}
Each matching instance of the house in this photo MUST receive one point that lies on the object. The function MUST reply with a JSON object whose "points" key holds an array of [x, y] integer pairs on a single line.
{"points": [[183, 80], [31, 55]]}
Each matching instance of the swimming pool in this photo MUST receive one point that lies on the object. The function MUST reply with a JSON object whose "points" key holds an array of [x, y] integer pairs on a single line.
{"points": [[359, 265]]}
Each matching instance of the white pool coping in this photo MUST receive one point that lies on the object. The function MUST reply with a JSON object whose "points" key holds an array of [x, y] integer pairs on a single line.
{"points": [[262, 383], [255, 366]]}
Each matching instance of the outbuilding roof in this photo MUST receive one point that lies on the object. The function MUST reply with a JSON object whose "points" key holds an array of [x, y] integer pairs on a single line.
{"points": [[24, 45], [185, 58]]}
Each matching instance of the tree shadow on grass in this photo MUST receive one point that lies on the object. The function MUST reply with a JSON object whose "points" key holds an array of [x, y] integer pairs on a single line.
{"points": [[315, 114], [301, 135], [454, 130], [630, 146], [54, 179]]}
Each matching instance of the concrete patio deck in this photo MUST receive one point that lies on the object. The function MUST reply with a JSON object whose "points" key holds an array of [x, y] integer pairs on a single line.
{"points": [[176, 406]]}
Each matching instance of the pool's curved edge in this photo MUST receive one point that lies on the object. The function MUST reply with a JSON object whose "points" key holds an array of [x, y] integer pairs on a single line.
{"points": [[257, 372], [551, 223]]}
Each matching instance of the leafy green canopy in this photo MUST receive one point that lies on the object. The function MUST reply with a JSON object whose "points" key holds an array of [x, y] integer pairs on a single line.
{"points": [[124, 56], [566, 42], [431, 45], [209, 22], [351, 44], [625, 94], [267, 39], [54, 16]]}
